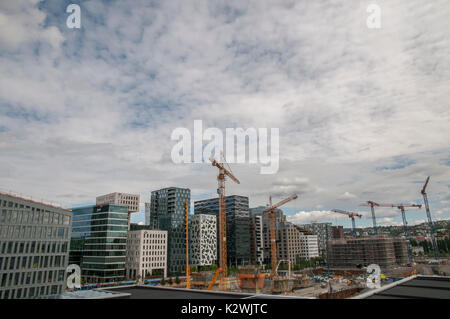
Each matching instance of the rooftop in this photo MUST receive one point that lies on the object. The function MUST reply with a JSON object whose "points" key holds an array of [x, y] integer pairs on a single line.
{"points": [[415, 287]]}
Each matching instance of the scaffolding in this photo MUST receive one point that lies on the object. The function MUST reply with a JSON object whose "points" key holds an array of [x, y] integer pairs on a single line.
{"points": [[383, 251]]}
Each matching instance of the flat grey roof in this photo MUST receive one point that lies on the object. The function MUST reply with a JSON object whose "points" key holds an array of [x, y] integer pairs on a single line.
{"points": [[420, 287], [147, 292]]}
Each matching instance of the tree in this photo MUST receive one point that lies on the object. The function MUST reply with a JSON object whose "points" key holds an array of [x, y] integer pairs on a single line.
{"points": [[163, 282], [177, 280], [170, 281]]}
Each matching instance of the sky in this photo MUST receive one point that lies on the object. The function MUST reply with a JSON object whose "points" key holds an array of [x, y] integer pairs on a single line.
{"points": [[363, 114]]}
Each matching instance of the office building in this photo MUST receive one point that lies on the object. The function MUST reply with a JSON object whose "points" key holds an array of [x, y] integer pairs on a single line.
{"points": [[99, 241], [147, 213], [146, 253], [202, 240], [295, 243], [238, 226], [324, 232], [34, 245], [256, 239], [279, 217], [129, 200], [168, 212]]}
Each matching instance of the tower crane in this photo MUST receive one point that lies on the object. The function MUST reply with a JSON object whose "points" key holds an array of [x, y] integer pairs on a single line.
{"points": [[405, 223], [273, 243], [374, 221], [350, 215], [430, 222], [222, 215]]}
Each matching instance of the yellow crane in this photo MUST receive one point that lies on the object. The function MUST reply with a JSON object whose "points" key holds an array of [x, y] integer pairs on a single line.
{"points": [[273, 243], [213, 281], [188, 270], [222, 216]]}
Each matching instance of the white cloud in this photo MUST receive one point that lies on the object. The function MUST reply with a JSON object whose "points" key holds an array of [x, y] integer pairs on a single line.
{"points": [[363, 114]]}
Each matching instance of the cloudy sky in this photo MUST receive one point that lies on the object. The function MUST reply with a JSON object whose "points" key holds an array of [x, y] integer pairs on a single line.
{"points": [[363, 113]]}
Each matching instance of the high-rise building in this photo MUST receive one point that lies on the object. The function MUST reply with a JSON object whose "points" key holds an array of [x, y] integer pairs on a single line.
{"points": [[129, 200], [256, 239], [202, 240], [34, 246], [168, 212], [294, 243], [147, 213], [279, 217], [324, 232], [238, 226], [146, 253], [99, 241]]}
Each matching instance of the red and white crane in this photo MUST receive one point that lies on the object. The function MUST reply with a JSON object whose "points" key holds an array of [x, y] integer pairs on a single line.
{"points": [[351, 215]]}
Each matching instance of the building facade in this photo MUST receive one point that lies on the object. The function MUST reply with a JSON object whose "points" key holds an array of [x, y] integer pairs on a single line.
{"points": [[147, 213], [168, 212], [256, 240], [34, 247], [294, 243], [202, 240], [238, 226], [99, 241], [129, 200], [146, 253], [338, 232], [383, 251], [324, 232]]}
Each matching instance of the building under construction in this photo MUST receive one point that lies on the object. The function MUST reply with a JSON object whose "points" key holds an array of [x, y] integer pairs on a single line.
{"points": [[383, 251]]}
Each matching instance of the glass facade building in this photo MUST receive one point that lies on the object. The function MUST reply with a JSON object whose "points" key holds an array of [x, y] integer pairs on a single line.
{"points": [[168, 212], [238, 226], [34, 246], [99, 241]]}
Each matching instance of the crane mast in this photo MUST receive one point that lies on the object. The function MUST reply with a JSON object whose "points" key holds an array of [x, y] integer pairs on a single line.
{"points": [[405, 223], [222, 213], [430, 222], [273, 242], [372, 210]]}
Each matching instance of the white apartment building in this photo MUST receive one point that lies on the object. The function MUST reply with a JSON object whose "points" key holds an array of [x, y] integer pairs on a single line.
{"points": [[309, 246], [131, 200], [202, 239], [146, 252], [294, 243]]}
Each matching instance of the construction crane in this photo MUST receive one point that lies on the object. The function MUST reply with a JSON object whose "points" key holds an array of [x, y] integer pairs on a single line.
{"points": [[430, 222], [213, 281], [350, 215], [405, 223], [188, 270], [273, 243], [374, 221], [222, 215]]}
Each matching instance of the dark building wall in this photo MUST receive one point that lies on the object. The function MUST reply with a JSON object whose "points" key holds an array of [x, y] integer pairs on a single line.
{"points": [[238, 226], [338, 232], [99, 241], [168, 212]]}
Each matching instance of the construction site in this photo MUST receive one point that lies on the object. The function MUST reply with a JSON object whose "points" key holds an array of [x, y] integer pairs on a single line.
{"points": [[346, 273]]}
